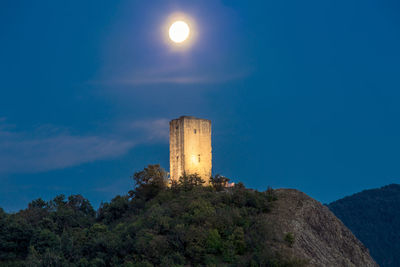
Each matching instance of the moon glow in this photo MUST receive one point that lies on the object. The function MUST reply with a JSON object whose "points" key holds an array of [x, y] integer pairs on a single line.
{"points": [[179, 31]]}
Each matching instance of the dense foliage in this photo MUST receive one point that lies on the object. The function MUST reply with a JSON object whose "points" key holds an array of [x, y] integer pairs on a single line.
{"points": [[153, 225], [374, 218]]}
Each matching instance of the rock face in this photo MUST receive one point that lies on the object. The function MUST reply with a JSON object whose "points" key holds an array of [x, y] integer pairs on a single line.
{"points": [[319, 236]]}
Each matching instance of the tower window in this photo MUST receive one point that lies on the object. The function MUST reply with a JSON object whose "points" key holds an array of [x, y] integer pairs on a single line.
{"points": [[199, 157], [177, 157], [195, 131]]}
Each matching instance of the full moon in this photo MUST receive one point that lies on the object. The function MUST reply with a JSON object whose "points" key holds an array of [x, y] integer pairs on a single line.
{"points": [[179, 31]]}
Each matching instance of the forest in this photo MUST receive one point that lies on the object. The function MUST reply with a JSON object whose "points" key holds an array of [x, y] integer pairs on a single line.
{"points": [[186, 223], [374, 218]]}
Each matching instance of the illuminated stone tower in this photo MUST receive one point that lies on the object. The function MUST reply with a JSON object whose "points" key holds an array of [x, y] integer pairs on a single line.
{"points": [[190, 147]]}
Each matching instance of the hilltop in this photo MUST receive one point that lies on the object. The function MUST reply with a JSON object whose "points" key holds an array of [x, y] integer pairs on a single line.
{"points": [[186, 224], [374, 217]]}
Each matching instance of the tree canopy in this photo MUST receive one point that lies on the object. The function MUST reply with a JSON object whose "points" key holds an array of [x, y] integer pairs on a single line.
{"points": [[185, 224], [374, 217]]}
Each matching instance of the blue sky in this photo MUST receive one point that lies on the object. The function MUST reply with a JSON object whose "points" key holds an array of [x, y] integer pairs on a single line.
{"points": [[301, 94]]}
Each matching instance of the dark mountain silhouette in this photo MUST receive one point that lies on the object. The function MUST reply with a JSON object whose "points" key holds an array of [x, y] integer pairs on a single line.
{"points": [[374, 218]]}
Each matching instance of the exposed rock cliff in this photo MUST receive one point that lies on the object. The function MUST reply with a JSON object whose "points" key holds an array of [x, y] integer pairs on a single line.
{"points": [[319, 236]]}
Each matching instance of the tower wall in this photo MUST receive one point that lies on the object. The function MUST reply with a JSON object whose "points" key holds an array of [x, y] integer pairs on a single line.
{"points": [[190, 147]]}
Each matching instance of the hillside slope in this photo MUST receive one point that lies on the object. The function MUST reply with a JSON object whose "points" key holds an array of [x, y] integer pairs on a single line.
{"points": [[374, 217], [186, 224], [237, 227], [318, 235]]}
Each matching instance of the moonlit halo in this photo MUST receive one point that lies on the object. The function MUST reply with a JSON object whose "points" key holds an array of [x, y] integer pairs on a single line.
{"points": [[191, 31], [179, 31]]}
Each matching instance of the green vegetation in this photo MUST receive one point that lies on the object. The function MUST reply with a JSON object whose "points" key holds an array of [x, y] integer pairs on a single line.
{"points": [[374, 218], [289, 237], [153, 225]]}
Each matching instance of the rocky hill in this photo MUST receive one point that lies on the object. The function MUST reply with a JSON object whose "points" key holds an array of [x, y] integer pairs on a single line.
{"points": [[319, 236], [187, 224], [374, 217]]}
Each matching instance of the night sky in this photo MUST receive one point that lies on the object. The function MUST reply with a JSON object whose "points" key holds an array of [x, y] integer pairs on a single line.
{"points": [[301, 94]]}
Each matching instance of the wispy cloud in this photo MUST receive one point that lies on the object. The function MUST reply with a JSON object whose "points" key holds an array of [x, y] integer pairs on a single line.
{"points": [[180, 79], [155, 129], [19, 152], [48, 148], [176, 76]]}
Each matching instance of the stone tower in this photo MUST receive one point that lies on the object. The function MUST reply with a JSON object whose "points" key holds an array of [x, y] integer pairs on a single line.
{"points": [[190, 147]]}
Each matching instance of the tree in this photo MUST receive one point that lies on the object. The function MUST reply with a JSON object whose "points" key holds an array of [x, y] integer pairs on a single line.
{"points": [[149, 182], [36, 211], [81, 205], [188, 181], [44, 240], [15, 236], [219, 182], [109, 212], [33, 258]]}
